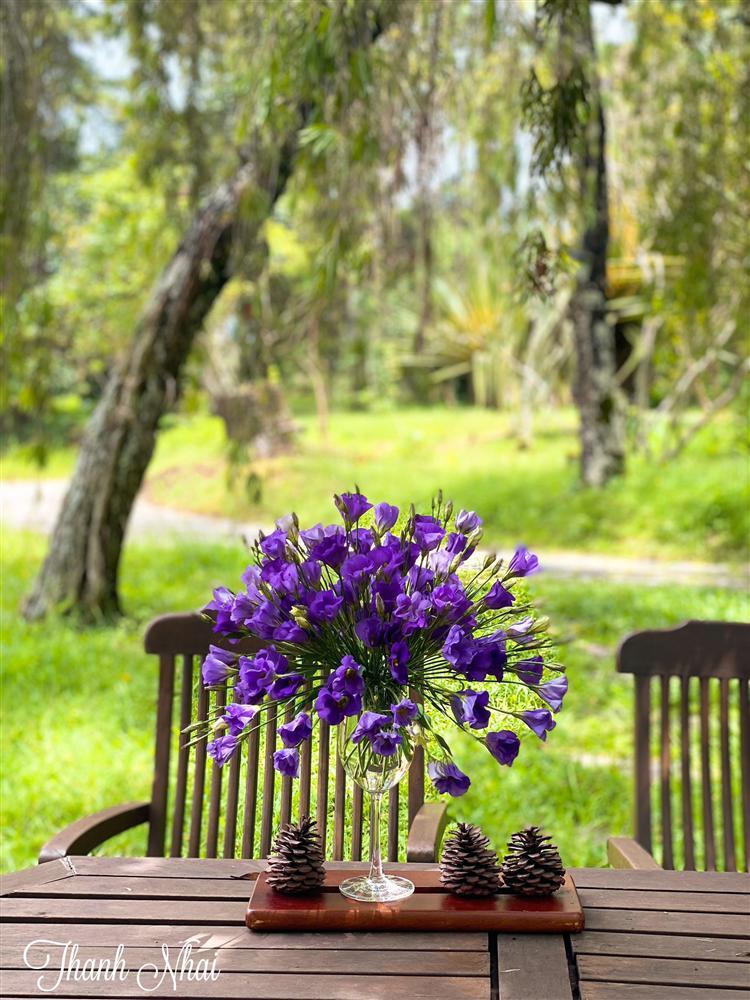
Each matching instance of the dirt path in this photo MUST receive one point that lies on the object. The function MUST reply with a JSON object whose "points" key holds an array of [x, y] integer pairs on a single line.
{"points": [[34, 505]]}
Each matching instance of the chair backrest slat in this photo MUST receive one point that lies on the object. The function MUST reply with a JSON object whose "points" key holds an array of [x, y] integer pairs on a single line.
{"points": [[706, 782], [183, 758], [339, 810], [744, 696], [666, 775], [357, 800], [727, 812], [685, 774], [233, 795], [269, 781], [321, 806], [251, 792], [160, 786], [718, 654], [217, 775], [643, 761], [199, 782], [393, 806], [235, 810]]}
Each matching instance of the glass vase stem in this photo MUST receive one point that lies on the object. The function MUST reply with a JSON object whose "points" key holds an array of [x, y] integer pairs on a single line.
{"points": [[376, 860]]}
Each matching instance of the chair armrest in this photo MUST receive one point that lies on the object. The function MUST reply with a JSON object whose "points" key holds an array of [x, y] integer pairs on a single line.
{"points": [[426, 833], [91, 831], [624, 852]]}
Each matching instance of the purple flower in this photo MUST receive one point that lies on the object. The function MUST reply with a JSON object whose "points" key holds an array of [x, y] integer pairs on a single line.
{"points": [[554, 691], [332, 548], [286, 686], [216, 666], [428, 532], [352, 506], [503, 746], [264, 620], [386, 742], [274, 545], [368, 725], [498, 597], [323, 606], [412, 610], [539, 720], [385, 517], [521, 630], [243, 609], [251, 578], [286, 762], [523, 562], [356, 568], [398, 658], [311, 536], [222, 604], [458, 648], [530, 670], [347, 678], [455, 544], [290, 632], [282, 576], [450, 600], [297, 731], [467, 521], [332, 708], [222, 749], [404, 712], [448, 779], [489, 658], [269, 658], [310, 573], [362, 539], [370, 630], [238, 716], [470, 707]]}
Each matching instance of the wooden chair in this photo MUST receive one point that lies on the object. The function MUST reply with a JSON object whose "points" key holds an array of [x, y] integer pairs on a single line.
{"points": [[701, 671], [197, 811]]}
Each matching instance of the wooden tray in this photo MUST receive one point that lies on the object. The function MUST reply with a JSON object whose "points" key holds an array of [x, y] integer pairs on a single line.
{"points": [[430, 908]]}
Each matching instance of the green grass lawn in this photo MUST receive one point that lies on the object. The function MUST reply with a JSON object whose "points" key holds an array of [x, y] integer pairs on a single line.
{"points": [[78, 706], [697, 507]]}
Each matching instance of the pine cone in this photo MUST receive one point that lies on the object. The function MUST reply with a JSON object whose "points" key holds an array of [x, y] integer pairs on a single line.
{"points": [[296, 865], [469, 866], [532, 866]]}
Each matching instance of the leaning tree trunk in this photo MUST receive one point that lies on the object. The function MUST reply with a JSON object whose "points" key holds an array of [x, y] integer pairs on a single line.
{"points": [[81, 568], [596, 395]]}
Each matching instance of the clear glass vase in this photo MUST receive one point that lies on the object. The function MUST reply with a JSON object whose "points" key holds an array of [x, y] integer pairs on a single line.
{"points": [[375, 774]]}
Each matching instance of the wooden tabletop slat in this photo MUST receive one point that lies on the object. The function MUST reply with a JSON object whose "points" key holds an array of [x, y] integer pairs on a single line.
{"points": [[281, 986], [646, 991], [655, 880], [642, 899], [532, 966], [38, 875], [308, 961], [663, 971], [667, 922], [204, 867], [661, 946], [109, 935], [130, 911]]}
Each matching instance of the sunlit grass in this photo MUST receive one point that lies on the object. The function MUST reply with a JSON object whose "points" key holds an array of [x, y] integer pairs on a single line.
{"points": [[697, 507], [78, 706]]}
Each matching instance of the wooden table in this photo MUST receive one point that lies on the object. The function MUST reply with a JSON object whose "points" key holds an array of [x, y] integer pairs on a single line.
{"points": [[649, 936]]}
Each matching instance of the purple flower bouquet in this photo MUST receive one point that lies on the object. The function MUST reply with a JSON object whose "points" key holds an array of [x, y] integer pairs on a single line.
{"points": [[384, 626]]}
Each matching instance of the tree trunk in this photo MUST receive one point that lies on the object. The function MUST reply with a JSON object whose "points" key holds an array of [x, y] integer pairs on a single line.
{"points": [[595, 391], [81, 568]]}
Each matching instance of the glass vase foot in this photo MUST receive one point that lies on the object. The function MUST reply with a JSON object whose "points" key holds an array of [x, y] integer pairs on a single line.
{"points": [[387, 889]]}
